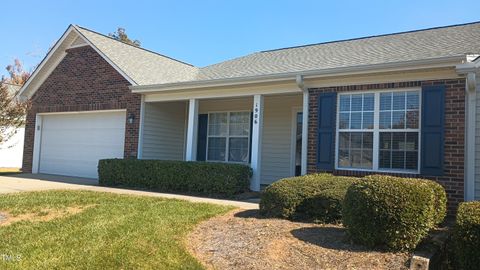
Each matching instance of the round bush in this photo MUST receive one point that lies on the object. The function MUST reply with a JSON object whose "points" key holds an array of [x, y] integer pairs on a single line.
{"points": [[311, 198], [467, 236], [440, 195], [440, 201], [396, 213]]}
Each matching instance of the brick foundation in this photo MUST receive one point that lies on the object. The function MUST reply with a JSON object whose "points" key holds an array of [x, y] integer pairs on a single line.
{"points": [[83, 81], [453, 178]]}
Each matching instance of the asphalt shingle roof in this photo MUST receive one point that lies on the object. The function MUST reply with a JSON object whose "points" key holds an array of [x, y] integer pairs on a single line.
{"points": [[142, 66], [415, 45], [146, 67]]}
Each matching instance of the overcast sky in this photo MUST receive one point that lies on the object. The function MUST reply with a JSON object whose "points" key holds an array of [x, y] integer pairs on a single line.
{"points": [[207, 32]]}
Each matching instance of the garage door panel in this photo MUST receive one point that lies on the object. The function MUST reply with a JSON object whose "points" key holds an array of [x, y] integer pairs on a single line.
{"points": [[72, 167], [67, 153], [83, 137], [72, 144]]}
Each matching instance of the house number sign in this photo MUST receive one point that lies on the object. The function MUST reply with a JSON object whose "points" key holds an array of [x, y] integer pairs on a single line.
{"points": [[256, 113]]}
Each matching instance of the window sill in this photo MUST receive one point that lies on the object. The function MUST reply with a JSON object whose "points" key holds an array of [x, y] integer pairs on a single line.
{"points": [[378, 171], [228, 162]]}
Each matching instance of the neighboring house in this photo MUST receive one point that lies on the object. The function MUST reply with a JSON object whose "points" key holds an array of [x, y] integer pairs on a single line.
{"points": [[384, 104], [11, 152]]}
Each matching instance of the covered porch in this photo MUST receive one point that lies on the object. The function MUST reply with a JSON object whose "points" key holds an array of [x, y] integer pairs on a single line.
{"points": [[264, 131]]}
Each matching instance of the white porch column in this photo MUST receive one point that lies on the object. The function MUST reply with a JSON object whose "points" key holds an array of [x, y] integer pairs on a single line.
{"points": [[191, 149], [304, 133], [257, 127]]}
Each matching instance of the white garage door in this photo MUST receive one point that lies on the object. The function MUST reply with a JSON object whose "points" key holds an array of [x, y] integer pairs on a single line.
{"points": [[72, 144]]}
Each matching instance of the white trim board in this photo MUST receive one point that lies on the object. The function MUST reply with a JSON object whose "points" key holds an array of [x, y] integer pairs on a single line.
{"points": [[82, 112]]}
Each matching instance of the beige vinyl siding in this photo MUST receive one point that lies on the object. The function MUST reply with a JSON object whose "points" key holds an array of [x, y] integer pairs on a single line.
{"points": [[277, 131], [225, 105], [477, 147], [277, 156], [78, 41], [164, 131]]}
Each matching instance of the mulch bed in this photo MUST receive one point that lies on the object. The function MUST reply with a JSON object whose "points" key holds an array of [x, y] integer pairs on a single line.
{"points": [[242, 240]]}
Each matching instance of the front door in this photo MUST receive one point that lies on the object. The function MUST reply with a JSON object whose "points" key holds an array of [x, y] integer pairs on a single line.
{"points": [[298, 143]]}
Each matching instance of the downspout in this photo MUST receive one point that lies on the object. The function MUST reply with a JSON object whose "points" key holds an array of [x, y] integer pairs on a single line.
{"points": [[301, 85], [140, 128], [470, 127]]}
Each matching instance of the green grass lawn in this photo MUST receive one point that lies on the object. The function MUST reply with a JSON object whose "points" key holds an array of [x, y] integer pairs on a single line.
{"points": [[110, 232]]}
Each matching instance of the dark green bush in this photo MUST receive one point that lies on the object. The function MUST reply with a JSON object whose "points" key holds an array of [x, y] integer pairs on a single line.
{"points": [[396, 213], [218, 179], [467, 236], [440, 195], [440, 201], [312, 198]]}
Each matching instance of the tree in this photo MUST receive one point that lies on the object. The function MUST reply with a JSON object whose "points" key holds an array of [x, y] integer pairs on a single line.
{"points": [[12, 108], [122, 36]]}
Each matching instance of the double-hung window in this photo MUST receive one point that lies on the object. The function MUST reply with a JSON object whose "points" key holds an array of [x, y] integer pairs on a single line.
{"points": [[228, 137], [379, 131]]}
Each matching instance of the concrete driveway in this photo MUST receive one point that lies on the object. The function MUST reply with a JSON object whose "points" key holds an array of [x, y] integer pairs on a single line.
{"points": [[37, 182]]}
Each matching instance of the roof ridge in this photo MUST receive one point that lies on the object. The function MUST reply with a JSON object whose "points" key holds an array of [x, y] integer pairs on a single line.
{"points": [[147, 50], [372, 36]]}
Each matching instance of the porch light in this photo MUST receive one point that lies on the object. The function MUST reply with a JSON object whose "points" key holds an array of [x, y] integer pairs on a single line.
{"points": [[131, 118]]}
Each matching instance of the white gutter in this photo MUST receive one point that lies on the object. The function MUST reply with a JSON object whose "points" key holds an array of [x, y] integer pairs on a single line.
{"points": [[469, 70], [442, 62]]}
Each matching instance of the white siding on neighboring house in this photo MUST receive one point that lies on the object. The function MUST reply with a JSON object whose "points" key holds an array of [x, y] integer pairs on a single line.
{"points": [[477, 146], [277, 137], [164, 131], [11, 152]]}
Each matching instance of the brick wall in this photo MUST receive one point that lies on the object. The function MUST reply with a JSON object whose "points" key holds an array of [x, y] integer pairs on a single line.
{"points": [[453, 178], [83, 81]]}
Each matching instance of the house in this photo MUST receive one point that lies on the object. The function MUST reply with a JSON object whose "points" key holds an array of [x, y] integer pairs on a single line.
{"points": [[11, 151], [402, 104]]}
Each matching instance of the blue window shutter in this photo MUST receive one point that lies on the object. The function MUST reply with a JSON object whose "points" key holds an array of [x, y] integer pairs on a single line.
{"points": [[202, 137], [326, 130], [432, 130]]}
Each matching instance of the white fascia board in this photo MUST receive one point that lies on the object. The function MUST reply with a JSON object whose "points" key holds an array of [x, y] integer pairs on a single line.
{"points": [[468, 67], [190, 85], [450, 61]]}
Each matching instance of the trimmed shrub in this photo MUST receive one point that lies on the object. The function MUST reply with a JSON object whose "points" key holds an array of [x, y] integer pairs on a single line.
{"points": [[467, 236], [440, 201], [217, 179], [440, 195], [311, 198], [396, 213]]}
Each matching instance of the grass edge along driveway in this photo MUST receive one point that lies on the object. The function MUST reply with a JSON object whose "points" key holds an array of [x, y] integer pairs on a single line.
{"points": [[95, 230]]}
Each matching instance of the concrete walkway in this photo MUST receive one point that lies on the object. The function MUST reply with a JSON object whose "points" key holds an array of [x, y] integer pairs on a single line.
{"points": [[36, 182]]}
